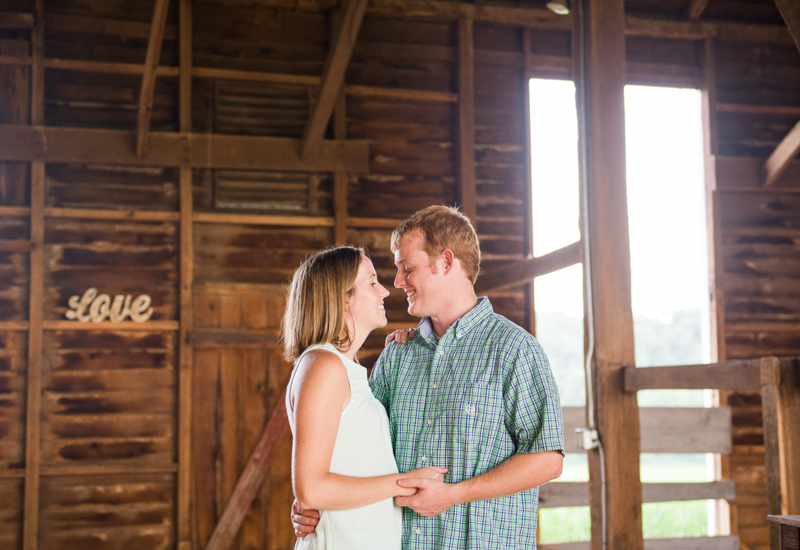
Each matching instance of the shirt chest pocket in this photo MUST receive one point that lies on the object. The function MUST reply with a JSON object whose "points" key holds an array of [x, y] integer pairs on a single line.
{"points": [[465, 412]]}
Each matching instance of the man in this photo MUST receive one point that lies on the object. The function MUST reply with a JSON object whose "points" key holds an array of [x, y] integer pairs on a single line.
{"points": [[471, 392]]}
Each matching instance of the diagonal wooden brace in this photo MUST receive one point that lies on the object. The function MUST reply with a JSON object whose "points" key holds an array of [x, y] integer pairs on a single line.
{"points": [[252, 476]]}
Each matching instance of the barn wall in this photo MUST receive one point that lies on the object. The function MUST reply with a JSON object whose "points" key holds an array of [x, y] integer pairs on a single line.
{"points": [[110, 395], [757, 104]]}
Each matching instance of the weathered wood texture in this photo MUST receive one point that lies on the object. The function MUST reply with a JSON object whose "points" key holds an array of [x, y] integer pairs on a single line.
{"points": [[236, 385], [110, 396], [759, 241]]}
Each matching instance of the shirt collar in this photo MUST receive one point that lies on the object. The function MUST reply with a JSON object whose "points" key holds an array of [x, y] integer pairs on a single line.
{"points": [[462, 326]]}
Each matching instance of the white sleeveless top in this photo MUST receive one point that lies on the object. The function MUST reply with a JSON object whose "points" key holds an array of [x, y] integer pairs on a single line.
{"points": [[363, 448]]}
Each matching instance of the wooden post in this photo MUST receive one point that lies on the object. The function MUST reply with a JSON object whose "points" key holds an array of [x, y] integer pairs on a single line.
{"points": [[527, 215], [715, 267], [610, 266], [339, 132], [340, 178], [780, 402], [185, 356], [149, 76], [770, 408], [465, 151], [33, 455]]}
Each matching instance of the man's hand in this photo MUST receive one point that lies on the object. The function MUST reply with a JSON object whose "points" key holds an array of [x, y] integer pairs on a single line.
{"points": [[401, 336], [304, 521], [432, 498]]}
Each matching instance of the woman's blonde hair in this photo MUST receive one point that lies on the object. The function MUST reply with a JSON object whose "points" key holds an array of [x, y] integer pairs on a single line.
{"points": [[317, 298]]}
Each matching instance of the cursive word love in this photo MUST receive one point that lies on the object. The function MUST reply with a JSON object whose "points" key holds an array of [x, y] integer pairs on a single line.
{"points": [[96, 308]]}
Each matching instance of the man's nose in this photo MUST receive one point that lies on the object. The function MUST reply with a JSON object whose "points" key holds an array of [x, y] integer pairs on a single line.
{"points": [[398, 279]]}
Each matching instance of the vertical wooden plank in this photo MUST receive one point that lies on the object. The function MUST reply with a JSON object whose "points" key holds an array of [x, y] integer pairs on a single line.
{"points": [[186, 360], [465, 161], [789, 435], [714, 246], [527, 218], [603, 54], [14, 109], [340, 132], [33, 456], [204, 442], [770, 366], [340, 178]]}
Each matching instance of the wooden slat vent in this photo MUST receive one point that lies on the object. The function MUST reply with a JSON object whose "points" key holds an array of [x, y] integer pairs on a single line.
{"points": [[293, 192], [255, 108]]}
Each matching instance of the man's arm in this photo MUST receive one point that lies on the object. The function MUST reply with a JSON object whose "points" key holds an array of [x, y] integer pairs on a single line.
{"points": [[518, 473], [532, 417]]}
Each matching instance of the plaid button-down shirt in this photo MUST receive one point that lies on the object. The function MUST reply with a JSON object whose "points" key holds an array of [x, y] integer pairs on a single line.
{"points": [[467, 402]]}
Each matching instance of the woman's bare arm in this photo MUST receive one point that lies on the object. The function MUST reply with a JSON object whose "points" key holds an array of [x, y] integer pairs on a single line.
{"points": [[320, 392]]}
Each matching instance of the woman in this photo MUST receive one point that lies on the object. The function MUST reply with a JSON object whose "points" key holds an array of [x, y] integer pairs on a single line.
{"points": [[342, 460]]}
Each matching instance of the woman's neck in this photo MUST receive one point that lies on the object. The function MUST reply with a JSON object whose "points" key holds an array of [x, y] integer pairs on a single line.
{"points": [[356, 341]]}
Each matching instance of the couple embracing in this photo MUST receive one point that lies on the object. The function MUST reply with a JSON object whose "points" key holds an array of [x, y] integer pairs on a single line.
{"points": [[445, 445]]}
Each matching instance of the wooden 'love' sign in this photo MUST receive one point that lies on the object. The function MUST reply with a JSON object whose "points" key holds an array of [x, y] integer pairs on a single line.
{"points": [[98, 308]]}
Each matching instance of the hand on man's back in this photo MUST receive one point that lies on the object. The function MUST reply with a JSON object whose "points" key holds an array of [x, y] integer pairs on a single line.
{"points": [[303, 521]]}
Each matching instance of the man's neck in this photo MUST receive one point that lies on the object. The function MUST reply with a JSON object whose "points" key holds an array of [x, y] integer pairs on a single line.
{"points": [[458, 307]]}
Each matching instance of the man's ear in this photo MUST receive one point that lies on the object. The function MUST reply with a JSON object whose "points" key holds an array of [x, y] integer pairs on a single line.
{"points": [[448, 260]]}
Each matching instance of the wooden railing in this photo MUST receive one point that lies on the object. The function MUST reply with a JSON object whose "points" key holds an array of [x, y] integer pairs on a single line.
{"points": [[704, 430]]}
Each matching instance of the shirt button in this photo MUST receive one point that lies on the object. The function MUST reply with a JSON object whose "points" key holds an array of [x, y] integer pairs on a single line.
{"points": [[441, 353], [418, 531], [424, 458], [430, 422], [435, 386]]}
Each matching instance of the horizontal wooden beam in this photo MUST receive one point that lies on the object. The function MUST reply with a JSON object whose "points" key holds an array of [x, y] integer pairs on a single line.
{"points": [[566, 494], [15, 211], [11, 245], [374, 223], [13, 325], [102, 214], [742, 374], [746, 172], [60, 144], [749, 109], [259, 219], [122, 325], [16, 20], [668, 429], [527, 270], [687, 543], [783, 155]]}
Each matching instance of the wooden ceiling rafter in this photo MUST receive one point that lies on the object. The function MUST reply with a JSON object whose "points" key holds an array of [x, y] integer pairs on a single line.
{"points": [[149, 76], [782, 156], [696, 9], [790, 11], [332, 77]]}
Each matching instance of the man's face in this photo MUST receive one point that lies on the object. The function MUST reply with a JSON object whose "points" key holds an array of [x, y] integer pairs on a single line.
{"points": [[421, 281]]}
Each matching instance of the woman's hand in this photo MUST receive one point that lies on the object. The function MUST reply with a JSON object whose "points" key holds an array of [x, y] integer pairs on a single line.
{"points": [[428, 472], [401, 336]]}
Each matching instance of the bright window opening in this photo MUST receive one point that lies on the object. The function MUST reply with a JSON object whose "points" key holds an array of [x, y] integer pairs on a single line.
{"points": [[669, 275]]}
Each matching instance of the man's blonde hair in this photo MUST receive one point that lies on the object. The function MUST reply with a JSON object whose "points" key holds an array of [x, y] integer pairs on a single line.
{"points": [[443, 227], [317, 298]]}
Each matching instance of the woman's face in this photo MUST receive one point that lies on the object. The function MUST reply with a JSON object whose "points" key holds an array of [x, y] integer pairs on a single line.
{"points": [[365, 304]]}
